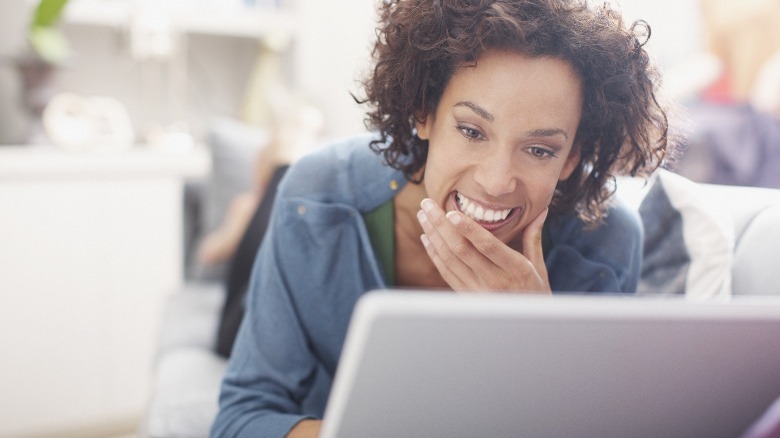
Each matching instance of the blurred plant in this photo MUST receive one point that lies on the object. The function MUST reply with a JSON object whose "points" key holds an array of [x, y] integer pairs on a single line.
{"points": [[45, 38]]}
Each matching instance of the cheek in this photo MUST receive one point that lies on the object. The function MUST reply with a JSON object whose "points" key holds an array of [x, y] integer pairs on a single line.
{"points": [[441, 167], [541, 189], [436, 179]]}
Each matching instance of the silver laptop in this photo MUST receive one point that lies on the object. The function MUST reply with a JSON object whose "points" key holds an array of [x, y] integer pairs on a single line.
{"points": [[434, 364]]}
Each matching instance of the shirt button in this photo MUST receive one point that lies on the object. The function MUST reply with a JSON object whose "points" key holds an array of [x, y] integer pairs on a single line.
{"points": [[393, 184], [301, 210]]}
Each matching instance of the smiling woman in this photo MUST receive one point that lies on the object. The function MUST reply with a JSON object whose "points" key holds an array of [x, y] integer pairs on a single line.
{"points": [[500, 126], [501, 154]]}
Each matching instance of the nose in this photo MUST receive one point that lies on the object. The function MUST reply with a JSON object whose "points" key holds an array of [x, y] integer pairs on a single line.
{"points": [[495, 173]]}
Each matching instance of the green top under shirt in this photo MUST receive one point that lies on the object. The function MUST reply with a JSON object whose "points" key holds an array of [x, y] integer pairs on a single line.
{"points": [[381, 232]]}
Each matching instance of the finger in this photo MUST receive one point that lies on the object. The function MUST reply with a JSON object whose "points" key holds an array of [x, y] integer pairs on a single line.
{"points": [[452, 270], [452, 279], [452, 244], [448, 246], [532, 242], [493, 265], [504, 268], [490, 250]]}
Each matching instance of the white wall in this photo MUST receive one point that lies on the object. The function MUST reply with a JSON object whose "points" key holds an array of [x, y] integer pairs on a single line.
{"points": [[675, 24], [333, 52]]}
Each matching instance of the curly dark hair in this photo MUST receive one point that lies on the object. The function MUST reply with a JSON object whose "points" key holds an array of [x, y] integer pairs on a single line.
{"points": [[420, 43]]}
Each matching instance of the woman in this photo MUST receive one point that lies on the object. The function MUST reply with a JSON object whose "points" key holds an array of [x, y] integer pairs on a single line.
{"points": [[500, 127]]}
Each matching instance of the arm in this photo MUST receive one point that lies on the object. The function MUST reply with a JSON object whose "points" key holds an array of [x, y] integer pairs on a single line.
{"points": [[270, 368], [306, 429]]}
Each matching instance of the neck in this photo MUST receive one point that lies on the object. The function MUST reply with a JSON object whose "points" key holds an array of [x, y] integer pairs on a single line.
{"points": [[413, 266], [407, 204]]}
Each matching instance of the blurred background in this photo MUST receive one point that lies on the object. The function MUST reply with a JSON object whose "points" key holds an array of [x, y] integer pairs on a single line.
{"points": [[137, 138], [175, 65]]}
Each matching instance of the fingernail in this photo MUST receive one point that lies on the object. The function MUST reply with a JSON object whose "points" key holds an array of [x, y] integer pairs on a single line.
{"points": [[425, 241], [421, 216], [427, 204], [454, 217]]}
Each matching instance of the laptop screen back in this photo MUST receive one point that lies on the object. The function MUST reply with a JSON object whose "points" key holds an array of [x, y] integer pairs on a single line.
{"points": [[449, 365]]}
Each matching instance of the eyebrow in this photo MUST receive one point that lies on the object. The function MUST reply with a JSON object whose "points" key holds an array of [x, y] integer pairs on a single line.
{"points": [[549, 132], [482, 112], [485, 114]]}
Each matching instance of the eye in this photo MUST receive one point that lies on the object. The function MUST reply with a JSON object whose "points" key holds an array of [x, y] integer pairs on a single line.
{"points": [[470, 133], [541, 152]]}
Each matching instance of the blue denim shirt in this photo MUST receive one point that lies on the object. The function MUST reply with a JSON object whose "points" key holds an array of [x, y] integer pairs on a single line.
{"points": [[316, 260]]}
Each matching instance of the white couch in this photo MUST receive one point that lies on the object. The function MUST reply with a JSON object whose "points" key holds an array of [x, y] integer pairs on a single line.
{"points": [[740, 225]]}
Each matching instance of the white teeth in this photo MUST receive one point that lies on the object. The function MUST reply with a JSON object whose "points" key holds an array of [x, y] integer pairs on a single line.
{"points": [[478, 212]]}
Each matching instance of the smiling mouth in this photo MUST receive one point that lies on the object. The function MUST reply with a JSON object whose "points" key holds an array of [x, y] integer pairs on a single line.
{"points": [[480, 213]]}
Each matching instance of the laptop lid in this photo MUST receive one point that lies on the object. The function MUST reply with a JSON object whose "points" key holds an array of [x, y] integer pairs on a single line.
{"points": [[433, 364]]}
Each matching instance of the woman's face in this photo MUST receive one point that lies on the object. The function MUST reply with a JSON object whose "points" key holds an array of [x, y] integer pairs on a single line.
{"points": [[501, 139]]}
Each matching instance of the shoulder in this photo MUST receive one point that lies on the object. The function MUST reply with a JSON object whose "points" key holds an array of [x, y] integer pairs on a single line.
{"points": [[620, 222], [344, 171], [624, 221], [604, 258], [315, 174]]}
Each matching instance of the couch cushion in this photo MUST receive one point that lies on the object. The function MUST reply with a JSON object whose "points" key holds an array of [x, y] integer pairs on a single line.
{"points": [[191, 317], [234, 148], [757, 261], [689, 240], [744, 203], [186, 396]]}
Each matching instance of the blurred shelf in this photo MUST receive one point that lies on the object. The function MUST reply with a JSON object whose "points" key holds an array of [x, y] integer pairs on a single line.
{"points": [[33, 162], [98, 13], [246, 22]]}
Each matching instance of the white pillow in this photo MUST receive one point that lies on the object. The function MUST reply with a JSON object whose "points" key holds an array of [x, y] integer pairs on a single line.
{"points": [[689, 240], [756, 260]]}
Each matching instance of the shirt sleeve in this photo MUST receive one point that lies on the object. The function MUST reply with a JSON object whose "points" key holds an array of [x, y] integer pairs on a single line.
{"points": [[271, 366]]}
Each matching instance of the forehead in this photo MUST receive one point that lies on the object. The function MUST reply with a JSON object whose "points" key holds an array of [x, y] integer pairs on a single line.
{"points": [[513, 85]]}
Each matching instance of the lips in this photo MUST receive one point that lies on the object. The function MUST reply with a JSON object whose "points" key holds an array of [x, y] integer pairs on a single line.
{"points": [[481, 213]]}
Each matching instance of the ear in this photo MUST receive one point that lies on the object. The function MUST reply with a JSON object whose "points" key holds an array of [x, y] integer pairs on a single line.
{"points": [[423, 124], [572, 161]]}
